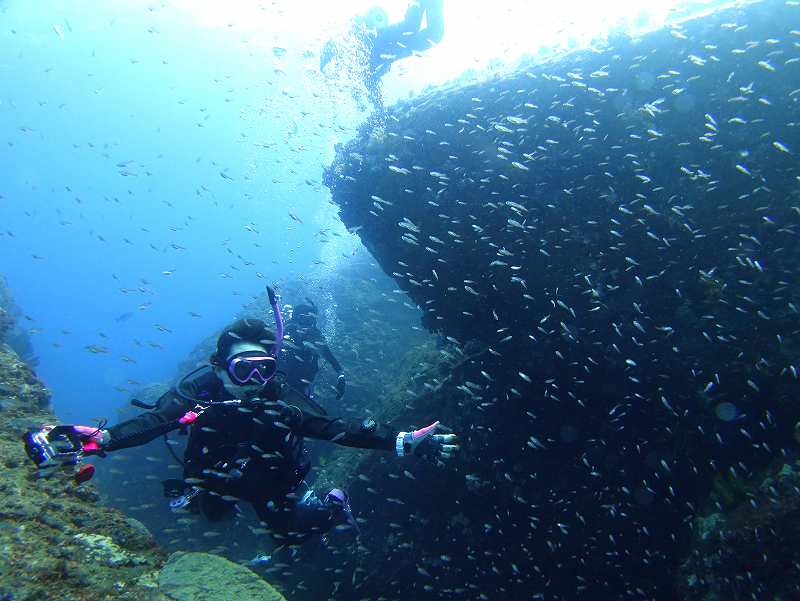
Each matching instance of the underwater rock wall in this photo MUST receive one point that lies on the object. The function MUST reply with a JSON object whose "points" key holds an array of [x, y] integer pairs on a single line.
{"points": [[6, 310], [619, 227], [10, 329], [6, 322], [56, 542]]}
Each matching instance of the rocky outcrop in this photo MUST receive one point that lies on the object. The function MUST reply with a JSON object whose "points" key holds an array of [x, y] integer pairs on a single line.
{"points": [[6, 315], [206, 577], [6, 322], [56, 541], [11, 332]]}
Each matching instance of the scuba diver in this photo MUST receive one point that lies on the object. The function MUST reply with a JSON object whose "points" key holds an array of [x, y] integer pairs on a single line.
{"points": [[378, 44], [302, 348], [246, 431]]}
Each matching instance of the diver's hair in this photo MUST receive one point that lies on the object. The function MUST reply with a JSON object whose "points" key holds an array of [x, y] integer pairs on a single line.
{"points": [[242, 330]]}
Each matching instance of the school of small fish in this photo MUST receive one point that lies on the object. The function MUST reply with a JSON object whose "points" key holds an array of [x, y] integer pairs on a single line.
{"points": [[620, 228]]}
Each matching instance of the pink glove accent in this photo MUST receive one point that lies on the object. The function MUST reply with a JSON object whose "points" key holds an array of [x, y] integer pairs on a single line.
{"points": [[94, 437], [188, 417], [91, 445], [422, 432]]}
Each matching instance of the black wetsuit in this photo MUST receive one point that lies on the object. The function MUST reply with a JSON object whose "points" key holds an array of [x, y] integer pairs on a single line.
{"points": [[252, 451], [405, 38], [300, 355]]}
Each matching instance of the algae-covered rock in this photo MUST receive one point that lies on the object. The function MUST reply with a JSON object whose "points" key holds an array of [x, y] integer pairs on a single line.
{"points": [[206, 577], [102, 549], [137, 537]]}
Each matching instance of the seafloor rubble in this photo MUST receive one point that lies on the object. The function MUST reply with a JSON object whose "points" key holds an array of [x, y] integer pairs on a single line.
{"points": [[58, 543]]}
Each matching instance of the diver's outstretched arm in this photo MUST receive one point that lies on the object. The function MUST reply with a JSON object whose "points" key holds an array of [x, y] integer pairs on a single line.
{"points": [[327, 354], [66, 445], [148, 426], [341, 381], [369, 434]]}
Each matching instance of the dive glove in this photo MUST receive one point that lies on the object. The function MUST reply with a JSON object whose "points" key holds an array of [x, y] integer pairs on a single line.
{"points": [[92, 438], [426, 443]]}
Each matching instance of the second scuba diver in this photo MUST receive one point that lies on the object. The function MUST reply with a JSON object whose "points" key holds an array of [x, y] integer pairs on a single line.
{"points": [[378, 44], [302, 348], [246, 431]]}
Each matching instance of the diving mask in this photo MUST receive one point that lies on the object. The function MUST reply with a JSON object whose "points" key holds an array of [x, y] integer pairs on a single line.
{"points": [[251, 367]]}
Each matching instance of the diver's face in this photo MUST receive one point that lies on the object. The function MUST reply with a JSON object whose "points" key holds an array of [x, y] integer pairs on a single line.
{"points": [[250, 388], [235, 390]]}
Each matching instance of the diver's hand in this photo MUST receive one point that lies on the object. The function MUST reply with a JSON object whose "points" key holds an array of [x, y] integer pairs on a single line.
{"points": [[341, 382], [93, 439], [426, 443], [52, 446]]}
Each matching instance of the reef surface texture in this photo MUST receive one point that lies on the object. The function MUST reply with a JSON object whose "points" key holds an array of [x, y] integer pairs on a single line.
{"points": [[206, 577]]}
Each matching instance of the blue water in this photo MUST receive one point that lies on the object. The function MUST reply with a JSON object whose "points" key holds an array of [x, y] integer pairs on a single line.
{"points": [[117, 124]]}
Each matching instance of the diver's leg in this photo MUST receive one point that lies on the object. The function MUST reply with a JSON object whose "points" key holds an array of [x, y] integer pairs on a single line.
{"points": [[434, 30], [413, 19], [297, 522], [434, 14], [214, 508]]}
